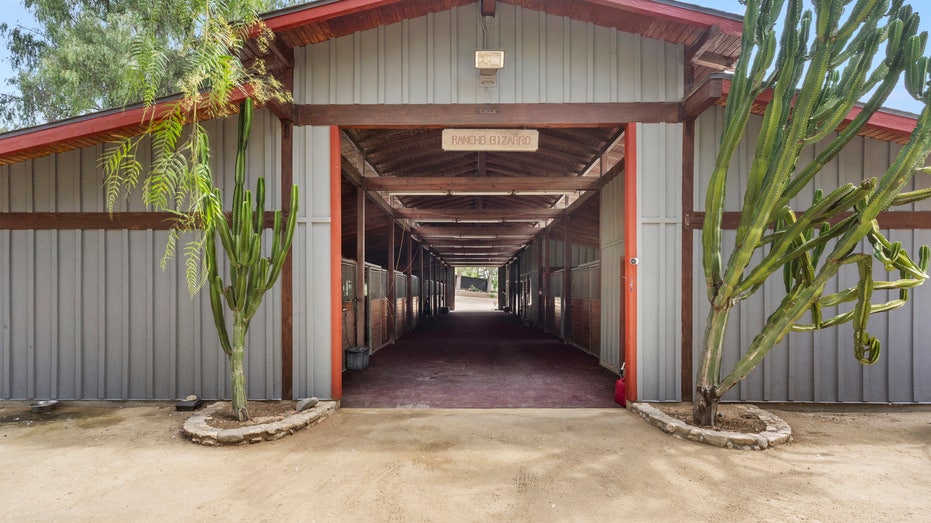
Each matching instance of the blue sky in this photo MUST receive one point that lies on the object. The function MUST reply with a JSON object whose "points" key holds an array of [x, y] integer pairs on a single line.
{"points": [[13, 13]]}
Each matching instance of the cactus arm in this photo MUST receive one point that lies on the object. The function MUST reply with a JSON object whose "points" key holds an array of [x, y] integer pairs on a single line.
{"points": [[906, 198], [259, 223], [828, 206], [242, 141], [216, 287], [276, 235], [226, 241], [279, 257]]}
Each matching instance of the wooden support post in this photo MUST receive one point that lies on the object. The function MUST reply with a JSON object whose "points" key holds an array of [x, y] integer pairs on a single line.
{"points": [[423, 281], [287, 273], [567, 283], [360, 268], [392, 292], [409, 313], [428, 292], [538, 299], [688, 192], [336, 276], [545, 284], [435, 270]]}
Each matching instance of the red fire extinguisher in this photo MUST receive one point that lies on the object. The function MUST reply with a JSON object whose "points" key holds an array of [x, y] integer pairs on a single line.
{"points": [[620, 388]]}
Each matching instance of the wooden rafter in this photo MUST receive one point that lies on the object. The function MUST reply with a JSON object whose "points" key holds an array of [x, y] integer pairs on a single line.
{"points": [[478, 214], [490, 231], [437, 184], [702, 44]]}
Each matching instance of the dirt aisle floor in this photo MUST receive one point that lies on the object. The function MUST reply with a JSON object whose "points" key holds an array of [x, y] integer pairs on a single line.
{"points": [[131, 464]]}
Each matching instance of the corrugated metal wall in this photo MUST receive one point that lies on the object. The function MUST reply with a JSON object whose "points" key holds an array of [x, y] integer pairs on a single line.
{"points": [[89, 315], [612, 256], [430, 59], [659, 245], [819, 366]]}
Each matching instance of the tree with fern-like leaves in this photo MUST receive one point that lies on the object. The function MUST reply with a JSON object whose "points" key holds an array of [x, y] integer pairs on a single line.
{"points": [[179, 178], [827, 58]]}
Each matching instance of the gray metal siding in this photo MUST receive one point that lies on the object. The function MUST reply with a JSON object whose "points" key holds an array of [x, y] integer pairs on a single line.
{"points": [[89, 314], [819, 366], [659, 246], [311, 252], [612, 284], [548, 59]]}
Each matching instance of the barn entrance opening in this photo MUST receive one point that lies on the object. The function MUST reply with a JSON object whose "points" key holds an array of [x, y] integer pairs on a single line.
{"points": [[413, 212]]}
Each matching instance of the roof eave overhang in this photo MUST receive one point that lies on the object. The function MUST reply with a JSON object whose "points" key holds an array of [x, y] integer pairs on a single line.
{"points": [[715, 89]]}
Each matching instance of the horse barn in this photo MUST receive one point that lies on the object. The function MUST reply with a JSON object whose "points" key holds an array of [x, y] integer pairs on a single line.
{"points": [[565, 142]]}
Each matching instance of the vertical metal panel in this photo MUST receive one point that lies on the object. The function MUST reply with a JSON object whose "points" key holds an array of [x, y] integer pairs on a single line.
{"points": [[312, 263], [819, 366], [659, 232], [548, 59], [612, 256], [6, 320]]}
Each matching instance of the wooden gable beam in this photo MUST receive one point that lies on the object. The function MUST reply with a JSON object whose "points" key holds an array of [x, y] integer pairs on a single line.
{"points": [[355, 177], [282, 52], [702, 44], [488, 7], [489, 184], [493, 115], [715, 61], [703, 97]]}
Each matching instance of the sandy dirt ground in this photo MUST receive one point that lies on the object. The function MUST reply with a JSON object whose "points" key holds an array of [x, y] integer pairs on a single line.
{"points": [[129, 463]]}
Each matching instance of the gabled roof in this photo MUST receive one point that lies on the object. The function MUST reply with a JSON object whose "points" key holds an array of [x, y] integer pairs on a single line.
{"points": [[704, 32]]}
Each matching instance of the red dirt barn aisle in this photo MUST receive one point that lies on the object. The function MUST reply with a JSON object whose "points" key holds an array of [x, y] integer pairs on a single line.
{"points": [[479, 360]]}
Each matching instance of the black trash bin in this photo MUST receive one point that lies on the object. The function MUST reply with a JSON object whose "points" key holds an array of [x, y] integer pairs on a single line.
{"points": [[357, 358]]}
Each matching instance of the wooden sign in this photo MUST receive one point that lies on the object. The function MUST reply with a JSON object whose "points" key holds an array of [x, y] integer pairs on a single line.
{"points": [[490, 140]]}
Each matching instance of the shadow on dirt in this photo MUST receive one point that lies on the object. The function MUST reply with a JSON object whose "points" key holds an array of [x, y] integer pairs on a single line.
{"points": [[85, 417]]}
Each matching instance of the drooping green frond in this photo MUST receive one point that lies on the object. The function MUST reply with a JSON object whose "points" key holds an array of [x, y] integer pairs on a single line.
{"points": [[194, 264], [121, 169], [170, 246]]}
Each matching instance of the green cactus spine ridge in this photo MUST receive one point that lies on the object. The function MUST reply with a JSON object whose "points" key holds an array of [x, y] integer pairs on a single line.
{"points": [[825, 62], [251, 274]]}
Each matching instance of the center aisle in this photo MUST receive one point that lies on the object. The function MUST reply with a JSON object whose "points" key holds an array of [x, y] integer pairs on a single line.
{"points": [[479, 360]]}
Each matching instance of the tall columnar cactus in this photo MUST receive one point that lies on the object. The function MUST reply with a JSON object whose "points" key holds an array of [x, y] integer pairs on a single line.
{"points": [[251, 275], [814, 84]]}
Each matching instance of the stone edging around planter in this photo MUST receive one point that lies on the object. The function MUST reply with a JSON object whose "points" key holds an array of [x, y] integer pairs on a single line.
{"points": [[777, 431], [197, 429]]}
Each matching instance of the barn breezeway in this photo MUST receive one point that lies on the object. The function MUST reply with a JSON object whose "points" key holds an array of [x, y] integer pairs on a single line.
{"points": [[479, 358]]}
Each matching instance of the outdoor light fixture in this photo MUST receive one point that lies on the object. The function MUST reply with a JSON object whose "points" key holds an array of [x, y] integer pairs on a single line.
{"points": [[488, 62]]}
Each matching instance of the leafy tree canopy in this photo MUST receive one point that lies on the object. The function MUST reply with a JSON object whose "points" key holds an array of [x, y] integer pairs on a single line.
{"points": [[77, 60]]}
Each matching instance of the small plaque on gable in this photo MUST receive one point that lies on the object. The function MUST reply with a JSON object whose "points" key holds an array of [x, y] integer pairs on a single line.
{"points": [[490, 140]]}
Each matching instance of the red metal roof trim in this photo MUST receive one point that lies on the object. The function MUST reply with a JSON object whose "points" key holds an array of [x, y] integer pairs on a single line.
{"points": [[676, 13], [105, 124], [319, 13], [883, 120]]}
